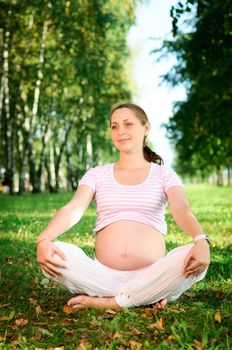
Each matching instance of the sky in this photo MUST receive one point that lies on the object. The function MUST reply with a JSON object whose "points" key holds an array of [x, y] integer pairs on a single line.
{"points": [[153, 21]]}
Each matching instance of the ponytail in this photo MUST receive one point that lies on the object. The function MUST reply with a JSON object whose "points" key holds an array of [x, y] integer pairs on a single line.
{"points": [[151, 156]]}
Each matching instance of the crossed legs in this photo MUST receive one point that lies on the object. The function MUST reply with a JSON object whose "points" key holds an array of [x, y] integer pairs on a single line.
{"points": [[99, 286]]}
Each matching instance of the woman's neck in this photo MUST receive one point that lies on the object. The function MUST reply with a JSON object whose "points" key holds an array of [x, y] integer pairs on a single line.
{"points": [[131, 161]]}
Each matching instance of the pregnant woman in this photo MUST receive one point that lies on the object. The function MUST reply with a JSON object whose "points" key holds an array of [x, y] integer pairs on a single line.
{"points": [[131, 267]]}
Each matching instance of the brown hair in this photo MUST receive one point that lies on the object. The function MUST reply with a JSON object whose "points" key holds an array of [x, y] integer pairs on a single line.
{"points": [[149, 155]]}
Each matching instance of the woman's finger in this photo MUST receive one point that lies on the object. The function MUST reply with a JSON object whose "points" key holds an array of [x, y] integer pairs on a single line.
{"points": [[56, 262], [59, 252], [52, 269], [194, 272], [193, 266], [48, 271]]}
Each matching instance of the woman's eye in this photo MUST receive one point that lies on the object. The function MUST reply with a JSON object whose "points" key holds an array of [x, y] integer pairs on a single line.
{"points": [[113, 127], [129, 124]]}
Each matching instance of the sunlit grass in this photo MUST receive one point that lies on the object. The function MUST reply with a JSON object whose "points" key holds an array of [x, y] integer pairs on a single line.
{"points": [[199, 319]]}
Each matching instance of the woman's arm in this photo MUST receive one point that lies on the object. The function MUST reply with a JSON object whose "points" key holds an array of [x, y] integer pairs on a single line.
{"points": [[63, 220], [199, 256], [69, 215]]}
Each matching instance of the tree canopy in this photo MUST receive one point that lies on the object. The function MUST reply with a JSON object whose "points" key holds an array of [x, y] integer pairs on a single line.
{"points": [[201, 127], [63, 64]]}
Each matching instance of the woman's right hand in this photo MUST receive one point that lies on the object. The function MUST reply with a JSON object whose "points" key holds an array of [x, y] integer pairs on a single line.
{"points": [[46, 251]]}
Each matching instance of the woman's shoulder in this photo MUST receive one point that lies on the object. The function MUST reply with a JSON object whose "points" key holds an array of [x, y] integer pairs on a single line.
{"points": [[102, 167], [162, 168]]}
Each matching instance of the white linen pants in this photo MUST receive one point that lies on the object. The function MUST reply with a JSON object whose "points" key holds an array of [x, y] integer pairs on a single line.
{"points": [[162, 279]]}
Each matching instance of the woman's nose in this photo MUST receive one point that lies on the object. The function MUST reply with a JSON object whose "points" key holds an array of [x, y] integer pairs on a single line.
{"points": [[121, 131]]}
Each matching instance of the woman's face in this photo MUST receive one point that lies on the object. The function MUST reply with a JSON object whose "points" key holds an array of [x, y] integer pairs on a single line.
{"points": [[127, 132]]}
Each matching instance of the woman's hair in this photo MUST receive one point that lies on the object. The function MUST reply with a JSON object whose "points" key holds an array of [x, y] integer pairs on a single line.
{"points": [[149, 155]]}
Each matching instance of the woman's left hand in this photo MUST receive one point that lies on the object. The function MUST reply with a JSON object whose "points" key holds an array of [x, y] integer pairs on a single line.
{"points": [[197, 259]]}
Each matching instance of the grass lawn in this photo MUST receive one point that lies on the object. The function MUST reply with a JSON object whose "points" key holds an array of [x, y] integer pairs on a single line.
{"points": [[31, 309]]}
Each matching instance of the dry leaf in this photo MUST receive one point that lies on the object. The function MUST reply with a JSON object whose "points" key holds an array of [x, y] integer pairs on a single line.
{"points": [[159, 324], [199, 345], [33, 301], [21, 322], [66, 322], [69, 331], [39, 323], [171, 337], [38, 335], [67, 309], [9, 317], [5, 318], [111, 312], [190, 295], [136, 332], [83, 345], [4, 305], [117, 335], [38, 310], [217, 317], [44, 331], [54, 313], [134, 345]]}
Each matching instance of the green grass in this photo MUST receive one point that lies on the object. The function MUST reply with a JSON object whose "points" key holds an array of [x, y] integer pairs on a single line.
{"points": [[31, 314]]}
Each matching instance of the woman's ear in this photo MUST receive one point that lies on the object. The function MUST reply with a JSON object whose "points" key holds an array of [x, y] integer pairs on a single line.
{"points": [[147, 129]]}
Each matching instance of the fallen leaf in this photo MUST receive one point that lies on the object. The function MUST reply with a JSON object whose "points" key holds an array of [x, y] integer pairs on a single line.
{"points": [[171, 338], [83, 345], [33, 301], [67, 309], [111, 312], [190, 295], [38, 335], [217, 317], [44, 331], [66, 322], [199, 345], [54, 313], [135, 332], [94, 324], [21, 322], [5, 318], [9, 317], [39, 323], [117, 335], [159, 324], [4, 305], [38, 309], [134, 345]]}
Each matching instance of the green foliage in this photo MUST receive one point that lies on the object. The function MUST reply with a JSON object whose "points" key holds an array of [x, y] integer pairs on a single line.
{"points": [[200, 127], [66, 67], [31, 310]]}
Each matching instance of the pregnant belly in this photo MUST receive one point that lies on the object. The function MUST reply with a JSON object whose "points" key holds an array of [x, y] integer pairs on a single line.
{"points": [[129, 245]]}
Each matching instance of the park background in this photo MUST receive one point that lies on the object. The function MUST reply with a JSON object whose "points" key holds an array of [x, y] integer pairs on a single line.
{"points": [[63, 65]]}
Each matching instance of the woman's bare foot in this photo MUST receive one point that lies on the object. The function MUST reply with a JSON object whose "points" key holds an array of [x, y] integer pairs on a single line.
{"points": [[160, 304], [84, 301]]}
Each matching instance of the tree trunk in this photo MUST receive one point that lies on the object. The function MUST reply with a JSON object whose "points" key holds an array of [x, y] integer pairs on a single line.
{"points": [[58, 156], [49, 177], [9, 136]]}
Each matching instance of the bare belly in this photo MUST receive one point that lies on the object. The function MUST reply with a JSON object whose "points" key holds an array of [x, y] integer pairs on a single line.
{"points": [[129, 245]]}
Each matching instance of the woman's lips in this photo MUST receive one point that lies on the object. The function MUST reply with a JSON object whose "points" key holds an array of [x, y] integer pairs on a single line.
{"points": [[123, 140]]}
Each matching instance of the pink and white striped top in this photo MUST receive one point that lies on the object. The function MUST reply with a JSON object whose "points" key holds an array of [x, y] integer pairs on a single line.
{"points": [[145, 202]]}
